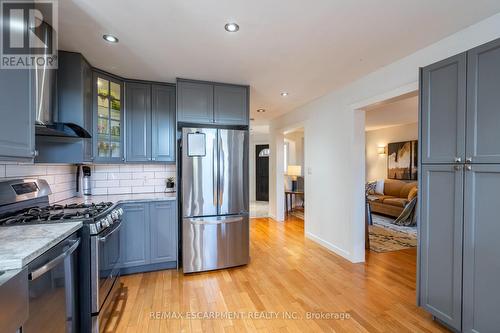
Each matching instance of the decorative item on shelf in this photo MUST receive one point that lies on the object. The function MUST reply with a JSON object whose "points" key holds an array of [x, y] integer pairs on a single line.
{"points": [[294, 171], [170, 185]]}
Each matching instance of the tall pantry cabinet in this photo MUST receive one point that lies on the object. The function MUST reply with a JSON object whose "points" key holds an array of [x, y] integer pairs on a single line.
{"points": [[459, 218]]}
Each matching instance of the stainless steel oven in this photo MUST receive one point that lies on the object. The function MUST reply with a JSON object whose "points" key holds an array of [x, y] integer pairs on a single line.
{"points": [[53, 293], [105, 271]]}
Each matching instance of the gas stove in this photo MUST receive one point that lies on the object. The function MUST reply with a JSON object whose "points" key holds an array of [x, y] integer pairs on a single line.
{"points": [[29, 205]]}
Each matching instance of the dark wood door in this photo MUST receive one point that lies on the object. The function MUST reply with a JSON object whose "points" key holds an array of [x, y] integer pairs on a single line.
{"points": [[262, 172]]}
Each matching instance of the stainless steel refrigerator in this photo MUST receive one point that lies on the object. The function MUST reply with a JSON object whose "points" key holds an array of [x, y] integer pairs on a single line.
{"points": [[214, 192]]}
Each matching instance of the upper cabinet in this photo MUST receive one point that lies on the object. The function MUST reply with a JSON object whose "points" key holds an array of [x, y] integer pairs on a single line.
{"points": [[195, 102], [443, 96], [108, 119], [17, 96], [163, 123], [483, 103], [230, 105], [138, 127], [212, 103], [150, 126]]}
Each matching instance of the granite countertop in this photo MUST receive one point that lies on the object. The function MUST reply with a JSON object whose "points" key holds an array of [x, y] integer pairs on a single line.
{"points": [[120, 198], [19, 245]]}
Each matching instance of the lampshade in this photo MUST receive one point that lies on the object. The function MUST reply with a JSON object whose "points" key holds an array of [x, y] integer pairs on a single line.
{"points": [[294, 170]]}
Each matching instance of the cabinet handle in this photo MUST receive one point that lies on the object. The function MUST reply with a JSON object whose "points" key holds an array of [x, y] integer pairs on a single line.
{"points": [[468, 160], [468, 167], [153, 158], [458, 167], [34, 153], [458, 159]]}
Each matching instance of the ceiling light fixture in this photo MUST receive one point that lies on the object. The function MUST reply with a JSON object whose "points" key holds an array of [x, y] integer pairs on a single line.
{"points": [[284, 94], [231, 27], [261, 110], [110, 38]]}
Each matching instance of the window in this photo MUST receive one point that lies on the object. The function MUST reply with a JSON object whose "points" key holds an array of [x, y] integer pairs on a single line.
{"points": [[285, 159]]}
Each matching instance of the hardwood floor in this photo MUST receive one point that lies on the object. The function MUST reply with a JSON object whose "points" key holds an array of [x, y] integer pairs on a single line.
{"points": [[288, 275]]}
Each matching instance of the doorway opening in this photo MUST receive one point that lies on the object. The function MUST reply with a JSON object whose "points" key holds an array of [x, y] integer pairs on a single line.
{"points": [[293, 170], [259, 171], [391, 174]]}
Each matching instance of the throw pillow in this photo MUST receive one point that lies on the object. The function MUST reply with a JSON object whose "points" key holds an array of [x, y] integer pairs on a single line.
{"points": [[379, 188], [370, 188], [413, 193]]}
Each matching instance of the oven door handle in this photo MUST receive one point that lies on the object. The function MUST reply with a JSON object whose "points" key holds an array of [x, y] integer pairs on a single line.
{"points": [[105, 238], [35, 274]]}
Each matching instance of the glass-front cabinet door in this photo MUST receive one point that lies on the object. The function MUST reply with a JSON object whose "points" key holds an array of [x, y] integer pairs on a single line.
{"points": [[108, 137]]}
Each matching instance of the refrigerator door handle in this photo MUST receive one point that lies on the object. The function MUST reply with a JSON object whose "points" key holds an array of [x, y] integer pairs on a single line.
{"points": [[214, 173], [215, 221], [222, 167]]}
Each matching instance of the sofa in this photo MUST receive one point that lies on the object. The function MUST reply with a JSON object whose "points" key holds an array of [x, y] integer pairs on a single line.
{"points": [[395, 196]]}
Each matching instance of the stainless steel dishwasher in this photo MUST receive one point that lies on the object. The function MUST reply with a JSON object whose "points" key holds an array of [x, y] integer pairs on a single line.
{"points": [[53, 292]]}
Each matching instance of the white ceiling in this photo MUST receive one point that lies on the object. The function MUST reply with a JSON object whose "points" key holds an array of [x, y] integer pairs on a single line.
{"points": [[400, 112], [304, 47]]}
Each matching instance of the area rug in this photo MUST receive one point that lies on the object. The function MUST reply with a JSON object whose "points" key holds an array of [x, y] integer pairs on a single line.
{"points": [[387, 237]]}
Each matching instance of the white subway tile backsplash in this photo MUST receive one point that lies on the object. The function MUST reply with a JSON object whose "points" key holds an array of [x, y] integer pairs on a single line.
{"points": [[107, 183], [131, 168], [131, 182], [120, 190], [143, 175], [106, 178]]}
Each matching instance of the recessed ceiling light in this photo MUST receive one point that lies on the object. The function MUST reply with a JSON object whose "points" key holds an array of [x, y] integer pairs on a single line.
{"points": [[284, 94], [261, 110], [110, 38], [231, 27]]}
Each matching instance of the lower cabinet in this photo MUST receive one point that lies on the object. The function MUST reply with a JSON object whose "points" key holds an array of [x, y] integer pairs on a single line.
{"points": [[149, 236], [459, 231], [441, 225]]}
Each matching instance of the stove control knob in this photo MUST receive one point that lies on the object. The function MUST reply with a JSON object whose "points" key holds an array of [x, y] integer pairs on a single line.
{"points": [[120, 211], [110, 219], [115, 215], [104, 223]]}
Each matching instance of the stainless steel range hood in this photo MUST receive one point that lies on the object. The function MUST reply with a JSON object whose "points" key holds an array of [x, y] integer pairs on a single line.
{"points": [[46, 102]]}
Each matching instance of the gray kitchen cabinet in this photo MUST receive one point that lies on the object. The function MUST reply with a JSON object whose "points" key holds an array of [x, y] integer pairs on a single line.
{"points": [[107, 118], [149, 236], [195, 102], [163, 123], [138, 121], [135, 235], [481, 260], [483, 103], [17, 136], [443, 110], [230, 105], [441, 223], [163, 231]]}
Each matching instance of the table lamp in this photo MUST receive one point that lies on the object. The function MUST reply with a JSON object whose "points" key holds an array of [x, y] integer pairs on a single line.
{"points": [[294, 171]]}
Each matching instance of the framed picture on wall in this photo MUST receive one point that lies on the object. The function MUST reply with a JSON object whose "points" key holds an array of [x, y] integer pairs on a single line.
{"points": [[402, 160]]}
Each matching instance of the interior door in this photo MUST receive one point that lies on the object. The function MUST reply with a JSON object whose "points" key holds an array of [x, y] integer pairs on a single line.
{"points": [[233, 171], [262, 172], [199, 172]]}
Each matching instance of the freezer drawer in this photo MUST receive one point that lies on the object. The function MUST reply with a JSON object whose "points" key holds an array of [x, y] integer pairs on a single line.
{"points": [[215, 242]]}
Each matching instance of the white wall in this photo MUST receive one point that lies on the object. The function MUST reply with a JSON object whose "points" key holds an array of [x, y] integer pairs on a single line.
{"points": [[376, 165], [255, 139], [335, 138]]}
